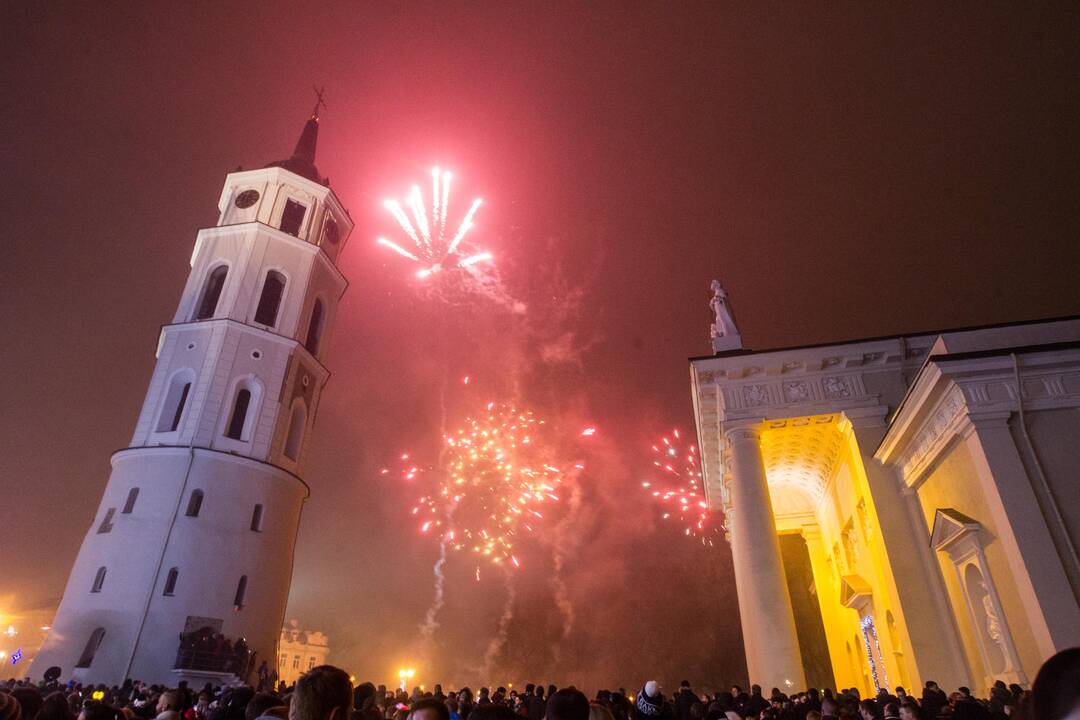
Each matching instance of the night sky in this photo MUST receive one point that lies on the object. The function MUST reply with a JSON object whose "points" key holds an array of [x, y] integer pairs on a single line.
{"points": [[847, 170]]}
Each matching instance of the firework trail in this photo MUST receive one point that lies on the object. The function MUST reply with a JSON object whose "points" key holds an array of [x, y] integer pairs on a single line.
{"points": [[564, 546], [676, 485], [498, 640], [430, 248], [431, 623]]}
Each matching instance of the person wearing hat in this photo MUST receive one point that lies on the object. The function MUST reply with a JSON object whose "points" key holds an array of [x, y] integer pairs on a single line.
{"points": [[650, 703]]}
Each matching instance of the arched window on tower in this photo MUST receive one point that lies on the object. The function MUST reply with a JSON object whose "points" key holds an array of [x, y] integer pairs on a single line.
{"points": [[314, 332], [295, 435], [99, 580], [106, 522], [91, 648], [292, 217], [194, 504], [129, 504], [256, 518], [215, 282], [241, 591], [238, 419], [270, 299], [170, 581], [175, 401]]}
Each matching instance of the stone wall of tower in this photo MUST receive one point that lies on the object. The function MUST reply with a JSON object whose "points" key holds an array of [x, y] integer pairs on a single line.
{"points": [[155, 559], [210, 552]]}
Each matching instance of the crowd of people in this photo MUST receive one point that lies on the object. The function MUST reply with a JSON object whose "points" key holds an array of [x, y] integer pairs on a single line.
{"points": [[207, 650], [327, 693]]}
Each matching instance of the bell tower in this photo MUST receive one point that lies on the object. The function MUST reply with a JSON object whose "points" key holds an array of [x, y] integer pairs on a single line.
{"points": [[197, 525]]}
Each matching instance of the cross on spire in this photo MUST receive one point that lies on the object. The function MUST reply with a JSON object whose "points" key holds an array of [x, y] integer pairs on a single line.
{"points": [[319, 102]]}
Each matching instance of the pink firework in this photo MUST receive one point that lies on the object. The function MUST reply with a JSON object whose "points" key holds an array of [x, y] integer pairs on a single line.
{"points": [[676, 484]]}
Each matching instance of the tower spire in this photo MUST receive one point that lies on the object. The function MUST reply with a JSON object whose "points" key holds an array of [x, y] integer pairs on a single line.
{"points": [[302, 161], [305, 146], [319, 102]]}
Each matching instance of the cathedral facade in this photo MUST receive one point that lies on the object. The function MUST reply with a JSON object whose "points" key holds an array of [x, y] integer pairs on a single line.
{"points": [[899, 509], [195, 532]]}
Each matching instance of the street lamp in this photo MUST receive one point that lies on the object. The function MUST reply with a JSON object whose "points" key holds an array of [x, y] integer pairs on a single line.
{"points": [[405, 675]]}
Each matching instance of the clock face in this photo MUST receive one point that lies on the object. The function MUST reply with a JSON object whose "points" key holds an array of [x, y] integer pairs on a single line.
{"points": [[247, 198], [330, 232]]}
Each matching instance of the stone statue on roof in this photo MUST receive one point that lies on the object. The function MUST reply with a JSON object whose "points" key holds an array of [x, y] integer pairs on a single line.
{"points": [[724, 333]]}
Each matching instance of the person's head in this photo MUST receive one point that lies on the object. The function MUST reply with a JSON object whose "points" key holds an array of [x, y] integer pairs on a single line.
{"points": [[867, 710], [568, 704], [755, 689], [363, 695], [322, 693], [1055, 694], [235, 701], [599, 712], [736, 690], [258, 705], [931, 684], [30, 701], [813, 715], [429, 709], [685, 684], [892, 712], [829, 707], [168, 701], [965, 691], [9, 707], [100, 711], [492, 711], [55, 707], [908, 712]]}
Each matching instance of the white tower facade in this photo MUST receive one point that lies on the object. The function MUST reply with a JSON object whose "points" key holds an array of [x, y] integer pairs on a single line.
{"points": [[198, 522]]}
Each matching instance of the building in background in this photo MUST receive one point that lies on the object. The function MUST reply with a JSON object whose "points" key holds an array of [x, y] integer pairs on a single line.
{"points": [[899, 509], [186, 569], [299, 651]]}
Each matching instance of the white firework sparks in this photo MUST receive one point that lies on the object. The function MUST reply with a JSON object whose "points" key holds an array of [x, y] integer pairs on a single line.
{"points": [[428, 232]]}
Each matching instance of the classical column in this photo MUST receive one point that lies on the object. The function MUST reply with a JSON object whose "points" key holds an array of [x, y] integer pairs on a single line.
{"points": [[1035, 560], [768, 624], [910, 581]]}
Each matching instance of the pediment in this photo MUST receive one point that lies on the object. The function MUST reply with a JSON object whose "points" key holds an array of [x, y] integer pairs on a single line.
{"points": [[951, 526]]}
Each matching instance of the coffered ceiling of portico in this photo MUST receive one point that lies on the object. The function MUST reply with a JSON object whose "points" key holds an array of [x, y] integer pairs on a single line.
{"points": [[800, 456]]}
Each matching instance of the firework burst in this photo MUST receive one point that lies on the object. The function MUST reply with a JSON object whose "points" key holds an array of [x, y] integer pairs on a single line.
{"points": [[676, 484], [433, 247], [493, 487]]}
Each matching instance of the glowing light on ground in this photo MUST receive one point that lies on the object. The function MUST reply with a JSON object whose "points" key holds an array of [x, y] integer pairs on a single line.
{"points": [[428, 232], [675, 483]]}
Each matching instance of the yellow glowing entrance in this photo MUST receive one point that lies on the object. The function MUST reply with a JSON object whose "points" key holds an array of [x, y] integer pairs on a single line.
{"points": [[820, 492]]}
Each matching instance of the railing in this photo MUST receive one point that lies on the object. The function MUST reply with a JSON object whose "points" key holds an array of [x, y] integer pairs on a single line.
{"points": [[214, 661]]}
